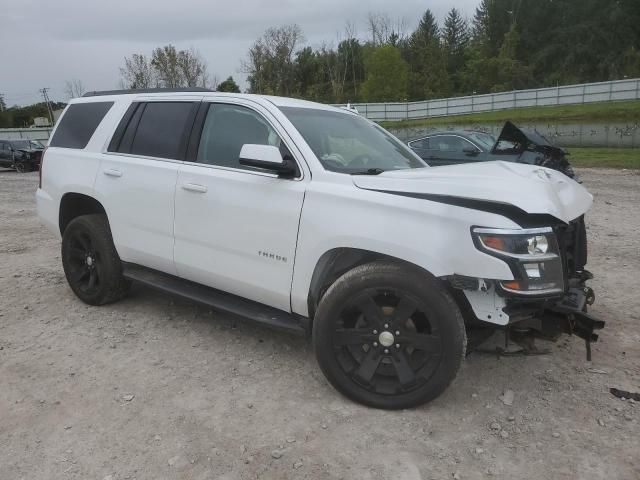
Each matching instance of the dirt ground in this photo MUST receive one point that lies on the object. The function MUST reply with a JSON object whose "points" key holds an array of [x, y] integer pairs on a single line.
{"points": [[154, 388]]}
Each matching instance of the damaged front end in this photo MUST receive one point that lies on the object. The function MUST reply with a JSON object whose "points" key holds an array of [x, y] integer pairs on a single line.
{"points": [[548, 296], [531, 147]]}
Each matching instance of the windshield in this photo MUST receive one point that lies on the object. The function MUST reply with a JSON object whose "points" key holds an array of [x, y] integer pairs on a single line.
{"points": [[348, 143], [28, 144], [484, 139]]}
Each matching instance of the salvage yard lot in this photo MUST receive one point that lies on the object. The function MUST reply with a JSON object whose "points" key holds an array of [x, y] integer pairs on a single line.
{"points": [[154, 387]]}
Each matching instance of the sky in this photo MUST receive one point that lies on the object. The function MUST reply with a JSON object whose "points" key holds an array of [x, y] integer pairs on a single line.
{"points": [[44, 43]]}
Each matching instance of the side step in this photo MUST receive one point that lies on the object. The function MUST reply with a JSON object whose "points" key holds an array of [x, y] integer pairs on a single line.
{"points": [[216, 299]]}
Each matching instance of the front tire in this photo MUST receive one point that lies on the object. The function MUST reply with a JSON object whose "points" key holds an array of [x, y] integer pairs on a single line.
{"points": [[21, 167], [90, 261], [389, 335]]}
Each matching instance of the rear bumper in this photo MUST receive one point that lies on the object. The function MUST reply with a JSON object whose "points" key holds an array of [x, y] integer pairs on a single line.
{"points": [[47, 211]]}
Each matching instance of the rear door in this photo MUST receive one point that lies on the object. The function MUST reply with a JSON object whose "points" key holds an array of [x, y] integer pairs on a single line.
{"points": [[236, 227], [421, 147], [137, 178]]}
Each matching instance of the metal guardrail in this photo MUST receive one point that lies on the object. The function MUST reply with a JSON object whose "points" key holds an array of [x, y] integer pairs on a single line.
{"points": [[628, 89]]}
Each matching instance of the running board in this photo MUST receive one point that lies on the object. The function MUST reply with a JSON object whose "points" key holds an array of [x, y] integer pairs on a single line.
{"points": [[216, 299]]}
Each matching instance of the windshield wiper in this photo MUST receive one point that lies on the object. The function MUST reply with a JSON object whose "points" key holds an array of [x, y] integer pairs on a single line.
{"points": [[370, 171]]}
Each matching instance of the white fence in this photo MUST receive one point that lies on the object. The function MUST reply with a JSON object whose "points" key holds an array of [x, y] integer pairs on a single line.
{"points": [[561, 95], [41, 134]]}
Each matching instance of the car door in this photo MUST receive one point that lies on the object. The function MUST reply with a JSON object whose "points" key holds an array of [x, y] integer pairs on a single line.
{"points": [[453, 149], [137, 178], [236, 227]]}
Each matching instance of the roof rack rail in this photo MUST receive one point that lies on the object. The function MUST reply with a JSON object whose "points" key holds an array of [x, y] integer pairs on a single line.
{"points": [[145, 90]]}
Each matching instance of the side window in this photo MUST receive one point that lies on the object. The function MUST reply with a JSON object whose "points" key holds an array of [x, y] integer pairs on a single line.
{"points": [[161, 130], [449, 143], [78, 124], [422, 144], [227, 128]]}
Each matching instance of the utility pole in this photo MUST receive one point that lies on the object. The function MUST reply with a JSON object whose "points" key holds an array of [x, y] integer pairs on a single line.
{"points": [[48, 102], [1, 102]]}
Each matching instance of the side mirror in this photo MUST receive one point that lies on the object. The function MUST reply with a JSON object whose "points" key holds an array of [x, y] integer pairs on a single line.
{"points": [[266, 157], [470, 151]]}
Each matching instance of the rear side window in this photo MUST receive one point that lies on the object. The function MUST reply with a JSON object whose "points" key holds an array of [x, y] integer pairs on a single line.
{"points": [[79, 123], [159, 129]]}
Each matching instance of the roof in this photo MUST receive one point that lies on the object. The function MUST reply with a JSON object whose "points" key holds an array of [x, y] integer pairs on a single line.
{"points": [[277, 101]]}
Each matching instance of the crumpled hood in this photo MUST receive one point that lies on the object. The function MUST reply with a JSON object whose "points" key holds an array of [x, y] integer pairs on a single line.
{"points": [[533, 189]]}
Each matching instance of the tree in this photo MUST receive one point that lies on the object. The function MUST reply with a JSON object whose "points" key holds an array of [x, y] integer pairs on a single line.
{"points": [[74, 88], [387, 75], [164, 61], [455, 39], [138, 73], [229, 85], [423, 52], [427, 31], [270, 62], [193, 68], [384, 29]]}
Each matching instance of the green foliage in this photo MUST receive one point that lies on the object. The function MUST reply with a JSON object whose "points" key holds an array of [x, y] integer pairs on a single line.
{"points": [[509, 44], [21, 117], [387, 75], [229, 85]]}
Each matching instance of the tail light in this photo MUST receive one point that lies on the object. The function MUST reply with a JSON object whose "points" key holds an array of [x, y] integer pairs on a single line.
{"points": [[40, 169]]}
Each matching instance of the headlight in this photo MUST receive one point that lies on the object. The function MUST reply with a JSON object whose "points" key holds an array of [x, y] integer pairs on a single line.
{"points": [[532, 254]]}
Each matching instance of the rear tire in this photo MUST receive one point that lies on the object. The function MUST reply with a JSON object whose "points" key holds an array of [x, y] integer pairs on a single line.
{"points": [[389, 335], [90, 261]]}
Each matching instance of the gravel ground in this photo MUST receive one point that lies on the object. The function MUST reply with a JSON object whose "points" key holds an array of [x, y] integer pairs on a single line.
{"points": [[154, 387]]}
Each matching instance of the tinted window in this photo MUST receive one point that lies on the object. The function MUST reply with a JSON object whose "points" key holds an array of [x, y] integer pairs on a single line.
{"points": [[78, 124], [161, 130], [228, 127], [422, 144], [446, 143]]}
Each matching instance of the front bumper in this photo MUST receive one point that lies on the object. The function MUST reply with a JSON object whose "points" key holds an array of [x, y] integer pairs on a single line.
{"points": [[549, 317]]}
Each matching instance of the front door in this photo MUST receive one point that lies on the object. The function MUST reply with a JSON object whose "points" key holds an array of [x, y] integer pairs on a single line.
{"points": [[236, 227], [453, 149]]}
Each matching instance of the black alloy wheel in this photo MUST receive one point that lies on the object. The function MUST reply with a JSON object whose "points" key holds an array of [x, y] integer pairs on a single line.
{"points": [[389, 335], [91, 264], [385, 341], [84, 264]]}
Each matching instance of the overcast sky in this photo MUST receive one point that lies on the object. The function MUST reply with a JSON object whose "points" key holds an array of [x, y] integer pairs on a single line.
{"points": [[43, 43]]}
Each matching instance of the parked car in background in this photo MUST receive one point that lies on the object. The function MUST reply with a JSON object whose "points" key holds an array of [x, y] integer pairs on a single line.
{"points": [[22, 155], [513, 145]]}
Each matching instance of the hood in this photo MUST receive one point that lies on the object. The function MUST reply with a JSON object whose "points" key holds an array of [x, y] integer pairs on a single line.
{"points": [[489, 186], [524, 139]]}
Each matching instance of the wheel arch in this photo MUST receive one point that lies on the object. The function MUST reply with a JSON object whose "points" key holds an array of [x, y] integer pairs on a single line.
{"points": [[335, 262], [73, 205]]}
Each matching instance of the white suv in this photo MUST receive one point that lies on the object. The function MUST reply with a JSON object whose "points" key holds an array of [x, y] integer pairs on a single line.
{"points": [[312, 219]]}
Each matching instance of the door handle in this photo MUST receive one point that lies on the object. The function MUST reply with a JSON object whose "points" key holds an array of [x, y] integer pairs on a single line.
{"points": [[112, 172], [194, 187]]}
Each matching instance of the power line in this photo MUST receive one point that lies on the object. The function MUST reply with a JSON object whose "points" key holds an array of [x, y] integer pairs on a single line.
{"points": [[46, 100]]}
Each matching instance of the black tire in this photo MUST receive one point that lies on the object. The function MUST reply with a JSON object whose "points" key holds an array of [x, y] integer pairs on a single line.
{"points": [[389, 297], [21, 167], [90, 261]]}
